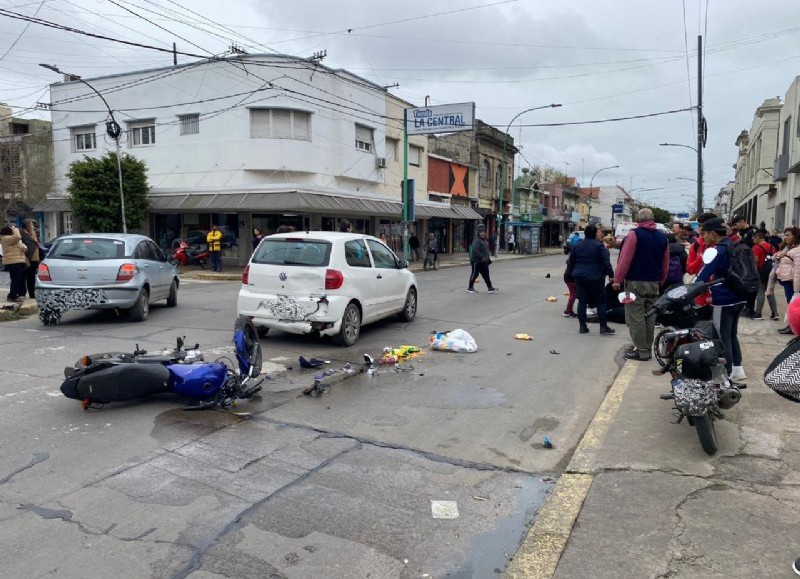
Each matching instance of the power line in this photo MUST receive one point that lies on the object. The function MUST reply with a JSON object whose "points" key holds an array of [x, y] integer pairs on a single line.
{"points": [[21, 34], [611, 120]]}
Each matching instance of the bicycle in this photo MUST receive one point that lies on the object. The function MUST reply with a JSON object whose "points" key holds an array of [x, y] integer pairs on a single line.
{"points": [[431, 260]]}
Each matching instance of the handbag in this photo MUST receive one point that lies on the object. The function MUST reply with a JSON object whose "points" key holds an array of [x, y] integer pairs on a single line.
{"points": [[783, 373]]}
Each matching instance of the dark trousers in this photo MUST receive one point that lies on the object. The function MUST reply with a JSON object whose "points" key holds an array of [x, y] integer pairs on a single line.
{"points": [[591, 291], [481, 269], [571, 300], [726, 320], [216, 260], [30, 278], [17, 272]]}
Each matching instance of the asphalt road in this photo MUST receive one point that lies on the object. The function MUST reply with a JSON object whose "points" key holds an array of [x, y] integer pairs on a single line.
{"points": [[343, 485]]}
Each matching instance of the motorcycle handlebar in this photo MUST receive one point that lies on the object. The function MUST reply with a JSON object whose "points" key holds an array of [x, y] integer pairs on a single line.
{"points": [[695, 290]]}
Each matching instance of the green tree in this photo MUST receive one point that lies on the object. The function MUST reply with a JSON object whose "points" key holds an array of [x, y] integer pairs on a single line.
{"points": [[661, 215], [94, 192]]}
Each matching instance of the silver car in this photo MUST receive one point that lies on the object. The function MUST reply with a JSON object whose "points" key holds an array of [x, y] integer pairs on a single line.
{"points": [[95, 271]]}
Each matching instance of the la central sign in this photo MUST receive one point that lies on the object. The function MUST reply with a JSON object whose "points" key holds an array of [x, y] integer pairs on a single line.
{"points": [[440, 119]]}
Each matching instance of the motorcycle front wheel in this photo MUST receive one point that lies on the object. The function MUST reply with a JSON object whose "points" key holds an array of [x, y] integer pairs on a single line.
{"points": [[205, 263], [706, 432]]}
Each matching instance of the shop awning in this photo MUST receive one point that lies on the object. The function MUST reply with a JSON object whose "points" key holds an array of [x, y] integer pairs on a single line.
{"points": [[464, 212], [52, 204]]}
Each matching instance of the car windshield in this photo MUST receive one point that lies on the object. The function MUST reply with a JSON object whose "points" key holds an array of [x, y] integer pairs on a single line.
{"points": [[293, 252], [87, 249]]}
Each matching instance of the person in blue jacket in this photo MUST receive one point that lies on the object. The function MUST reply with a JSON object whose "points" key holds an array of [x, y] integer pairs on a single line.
{"points": [[727, 305], [591, 263]]}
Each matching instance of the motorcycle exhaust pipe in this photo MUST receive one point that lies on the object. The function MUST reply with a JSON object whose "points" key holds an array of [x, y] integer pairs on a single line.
{"points": [[729, 397]]}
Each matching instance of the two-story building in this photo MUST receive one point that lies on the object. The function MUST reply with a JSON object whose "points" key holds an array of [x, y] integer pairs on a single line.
{"points": [[249, 141], [786, 169]]}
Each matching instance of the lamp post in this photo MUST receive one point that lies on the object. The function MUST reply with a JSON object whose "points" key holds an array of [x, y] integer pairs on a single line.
{"points": [[591, 182], [699, 179], [503, 172], [112, 129]]}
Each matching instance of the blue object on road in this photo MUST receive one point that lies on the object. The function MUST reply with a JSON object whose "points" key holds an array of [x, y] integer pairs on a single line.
{"points": [[547, 443]]}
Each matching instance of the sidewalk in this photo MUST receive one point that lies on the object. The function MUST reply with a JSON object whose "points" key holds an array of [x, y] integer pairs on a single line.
{"points": [[234, 272], [640, 498]]}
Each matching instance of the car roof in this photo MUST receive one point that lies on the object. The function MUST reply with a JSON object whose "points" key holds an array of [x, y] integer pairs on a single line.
{"points": [[320, 235], [130, 239]]}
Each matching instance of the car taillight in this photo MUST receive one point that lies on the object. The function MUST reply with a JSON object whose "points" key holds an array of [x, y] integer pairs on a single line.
{"points": [[333, 279], [245, 274], [126, 272], [43, 273]]}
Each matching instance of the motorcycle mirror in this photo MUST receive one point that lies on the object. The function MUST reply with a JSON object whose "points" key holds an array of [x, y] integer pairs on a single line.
{"points": [[626, 297], [709, 254]]}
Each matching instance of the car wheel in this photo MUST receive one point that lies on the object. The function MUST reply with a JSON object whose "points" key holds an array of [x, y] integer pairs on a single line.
{"points": [[172, 299], [141, 309], [410, 308], [262, 331], [351, 326]]}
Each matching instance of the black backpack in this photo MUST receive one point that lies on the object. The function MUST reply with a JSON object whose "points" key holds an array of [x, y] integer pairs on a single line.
{"points": [[742, 276]]}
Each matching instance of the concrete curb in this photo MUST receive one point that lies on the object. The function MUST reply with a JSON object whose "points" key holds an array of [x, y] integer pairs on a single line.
{"points": [[541, 550]]}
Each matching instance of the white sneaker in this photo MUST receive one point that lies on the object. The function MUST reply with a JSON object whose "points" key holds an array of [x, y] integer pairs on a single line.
{"points": [[591, 312], [737, 373]]}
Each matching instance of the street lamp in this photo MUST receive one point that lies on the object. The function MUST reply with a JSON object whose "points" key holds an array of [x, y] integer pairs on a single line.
{"points": [[503, 171], [699, 179], [591, 181], [112, 129]]}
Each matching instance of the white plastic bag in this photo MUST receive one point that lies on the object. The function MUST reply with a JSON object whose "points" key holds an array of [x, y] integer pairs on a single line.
{"points": [[454, 341]]}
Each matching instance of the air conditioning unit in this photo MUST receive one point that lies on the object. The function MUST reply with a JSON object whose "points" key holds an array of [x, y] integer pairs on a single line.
{"points": [[380, 162]]}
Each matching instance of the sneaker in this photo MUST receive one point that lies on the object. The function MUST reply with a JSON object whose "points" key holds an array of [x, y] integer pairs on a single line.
{"points": [[774, 317], [471, 290], [786, 330], [570, 315], [606, 330], [737, 373], [494, 290], [584, 330], [756, 317], [796, 566]]}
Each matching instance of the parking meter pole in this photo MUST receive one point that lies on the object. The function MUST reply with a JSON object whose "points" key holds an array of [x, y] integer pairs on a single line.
{"points": [[405, 184]]}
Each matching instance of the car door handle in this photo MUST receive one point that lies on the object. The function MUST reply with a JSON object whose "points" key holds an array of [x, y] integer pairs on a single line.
{"points": [[380, 276]]}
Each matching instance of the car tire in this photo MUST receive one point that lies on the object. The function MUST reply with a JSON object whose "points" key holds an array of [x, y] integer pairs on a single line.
{"points": [[172, 299], [351, 326], [410, 307], [262, 331], [141, 310]]}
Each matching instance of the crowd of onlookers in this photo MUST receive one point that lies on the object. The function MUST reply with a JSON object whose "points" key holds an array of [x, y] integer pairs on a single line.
{"points": [[650, 261]]}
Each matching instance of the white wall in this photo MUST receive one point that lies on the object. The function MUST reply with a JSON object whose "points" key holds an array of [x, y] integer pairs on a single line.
{"points": [[223, 155]]}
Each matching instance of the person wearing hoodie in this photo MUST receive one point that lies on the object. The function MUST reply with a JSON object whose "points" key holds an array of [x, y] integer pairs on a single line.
{"points": [[727, 305], [642, 266], [14, 261], [480, 261]]}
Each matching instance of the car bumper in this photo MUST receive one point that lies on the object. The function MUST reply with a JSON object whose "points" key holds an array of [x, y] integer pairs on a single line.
{"points": [[69, 298], [294, 314]]}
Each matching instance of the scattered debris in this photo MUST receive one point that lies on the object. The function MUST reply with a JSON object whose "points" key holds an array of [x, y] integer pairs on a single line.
{"points": [[547, 443], [477, 498], [312, 363], [457, 340], [552, 299], [556, 352], [523, 337], [444, 509], [547, 276], [565, 293]]}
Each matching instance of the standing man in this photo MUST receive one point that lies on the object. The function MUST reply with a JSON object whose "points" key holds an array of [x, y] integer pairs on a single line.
{"points": [[480, 261], [510, 241], [214, 239], [346, 226], [590, 263], [727, 305], [642, 265], [413, 245], [742, 232]]}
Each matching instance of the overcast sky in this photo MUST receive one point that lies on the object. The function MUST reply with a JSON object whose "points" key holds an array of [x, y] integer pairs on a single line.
{"points": [[600, 59]]}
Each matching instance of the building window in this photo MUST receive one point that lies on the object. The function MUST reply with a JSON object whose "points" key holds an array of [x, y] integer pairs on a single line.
{"points": [[391, 150], [485, 168], [280, 124], [414, 155], [142, 134], [190, 124], [364, 140], [84, 139], [497, 178]]}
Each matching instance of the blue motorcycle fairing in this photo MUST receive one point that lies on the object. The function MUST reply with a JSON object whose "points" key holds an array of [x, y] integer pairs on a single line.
{"points": [[200, 381]]}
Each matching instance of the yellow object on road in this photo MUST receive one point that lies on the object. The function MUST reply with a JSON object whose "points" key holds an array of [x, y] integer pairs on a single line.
{"points": [[523, 337], [552, 299]]}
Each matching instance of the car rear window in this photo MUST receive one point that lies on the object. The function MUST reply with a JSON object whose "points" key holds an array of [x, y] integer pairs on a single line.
{"points": [[293, 252], [87, 249]]}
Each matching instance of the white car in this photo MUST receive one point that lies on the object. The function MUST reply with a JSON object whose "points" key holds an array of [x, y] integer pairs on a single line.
{"points": [[325, 283]]}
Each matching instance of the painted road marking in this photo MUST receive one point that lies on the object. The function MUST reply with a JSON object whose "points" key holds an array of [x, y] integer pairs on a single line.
{"points": [[540, 552]]}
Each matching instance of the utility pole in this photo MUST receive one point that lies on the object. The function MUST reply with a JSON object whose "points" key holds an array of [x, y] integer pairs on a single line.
{"points": [[701, 124]]}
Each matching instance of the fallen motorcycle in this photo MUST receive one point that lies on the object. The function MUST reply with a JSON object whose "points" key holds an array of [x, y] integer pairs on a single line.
{"points": [[118, 376], [693, 356], [184, 255]]}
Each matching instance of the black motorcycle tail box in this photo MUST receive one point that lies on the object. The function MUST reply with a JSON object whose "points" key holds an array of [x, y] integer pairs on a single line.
{"points": [[697, 359], [118, 382]]}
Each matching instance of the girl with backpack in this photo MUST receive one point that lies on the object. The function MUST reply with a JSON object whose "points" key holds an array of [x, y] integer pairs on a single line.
{"points": [[787, 274]]}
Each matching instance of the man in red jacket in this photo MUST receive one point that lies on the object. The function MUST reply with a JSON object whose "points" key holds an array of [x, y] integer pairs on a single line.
{"points": [[694, 263], [762, 251]]}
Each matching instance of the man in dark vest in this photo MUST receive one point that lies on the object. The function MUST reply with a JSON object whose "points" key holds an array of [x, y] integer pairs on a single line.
{"points": [[643, 265]]}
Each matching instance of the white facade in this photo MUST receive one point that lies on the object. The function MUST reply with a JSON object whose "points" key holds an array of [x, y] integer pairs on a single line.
{"points": [[602, 205], [787, 159], [754, 194]]}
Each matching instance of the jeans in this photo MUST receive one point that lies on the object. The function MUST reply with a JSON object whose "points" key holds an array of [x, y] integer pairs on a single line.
{"points": [[591, 291], [481, 269], [216, 260], [17, 273], [30, 278], [788, 290], [726, 320], [642, 329]]}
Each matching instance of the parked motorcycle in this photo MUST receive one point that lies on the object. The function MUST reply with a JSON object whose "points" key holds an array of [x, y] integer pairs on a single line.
{"points": [[117, 376], [693, 356], [184, 255]]}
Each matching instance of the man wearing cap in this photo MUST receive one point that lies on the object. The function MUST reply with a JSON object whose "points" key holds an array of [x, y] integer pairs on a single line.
{"points": [[643, 265], [742, 232], [727, 306], [480, 261]]}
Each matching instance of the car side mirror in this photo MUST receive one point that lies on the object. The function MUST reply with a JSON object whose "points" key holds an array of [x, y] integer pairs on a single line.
{"points": [[402, 264]]}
